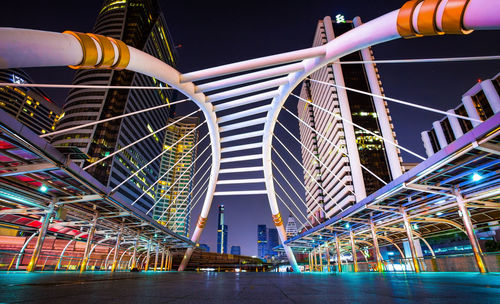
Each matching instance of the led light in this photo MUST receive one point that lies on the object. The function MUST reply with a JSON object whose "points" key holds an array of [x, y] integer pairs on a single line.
{"points": [[476, 177], [347, 226], [439, 213], [415, 226], [43, 188], [340, 18]]}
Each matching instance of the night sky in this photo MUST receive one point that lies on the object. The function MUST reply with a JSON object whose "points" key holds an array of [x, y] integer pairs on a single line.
{"points": [[213, 33]]}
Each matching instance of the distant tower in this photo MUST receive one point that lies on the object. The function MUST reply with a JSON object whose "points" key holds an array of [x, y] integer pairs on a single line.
{"points": [[272, 241], [291, 227], [261, 241], [338, 180], [236, 250], [221, 232]]}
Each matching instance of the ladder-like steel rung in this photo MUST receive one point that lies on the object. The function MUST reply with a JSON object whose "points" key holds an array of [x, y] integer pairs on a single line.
{"points": [[242, 114], [244, 124], [242, 136], [240, 181], [249, 192], [241, 158], [242, 169], [264, 85], [246, 100], [241, 147]]}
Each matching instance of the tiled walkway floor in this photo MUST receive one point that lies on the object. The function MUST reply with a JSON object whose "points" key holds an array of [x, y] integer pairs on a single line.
{"points": [[191, 287]]}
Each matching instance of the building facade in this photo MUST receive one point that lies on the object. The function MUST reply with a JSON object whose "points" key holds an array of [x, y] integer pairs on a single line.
{"points": [[30, 106], [480, 102], [291, 227], [272, 241], [236, 250], [221, 232], [173, 196], [261, 241], [204, 247], [140, 24], [335, 179]]}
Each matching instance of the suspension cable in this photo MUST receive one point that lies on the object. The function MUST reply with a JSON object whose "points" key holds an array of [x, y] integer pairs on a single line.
{"points": [[326, 194], [360, 127], [284, 191], [424, 60], [112, 118], [395, 100], [139, 140], [335, 146], [178, 179], [317, 158], [289, 209], [173, 166]]}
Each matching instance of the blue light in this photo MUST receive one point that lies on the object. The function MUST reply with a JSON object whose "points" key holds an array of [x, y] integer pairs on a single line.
{"points": [[43, 188], [390, 253], [415, 226], [347, 226], [476, 177]]}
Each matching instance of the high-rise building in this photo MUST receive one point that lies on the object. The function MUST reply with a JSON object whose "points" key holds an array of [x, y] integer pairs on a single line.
{"points": [[176, 170], [338, 180], [272, 241], [140, 24], [221, 232], [204, 247], [480, 102], [291, 227], [30, 106], [236, 250], [261, 241]]}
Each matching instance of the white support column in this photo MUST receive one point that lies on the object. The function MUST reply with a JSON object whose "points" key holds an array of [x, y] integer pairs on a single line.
{"points": [[491, 94], [440, 134], [345, 111], [455, 124], [471, 109], [381, 109], [427, 143]]}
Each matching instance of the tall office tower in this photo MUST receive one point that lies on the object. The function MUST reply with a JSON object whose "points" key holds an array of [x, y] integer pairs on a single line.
{"points": [[221, 232], [261, 241], [291, 227], [333, 179], [140, 24], [272, 241], [176, 170], [30, 106], [236, 250], [480, 102]]}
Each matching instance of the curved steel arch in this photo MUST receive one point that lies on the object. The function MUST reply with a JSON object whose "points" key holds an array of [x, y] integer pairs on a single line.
{"points": [[30, 48]]}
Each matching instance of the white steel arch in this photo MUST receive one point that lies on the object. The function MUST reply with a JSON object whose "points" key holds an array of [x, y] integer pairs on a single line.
{"points": [[30, 48]]}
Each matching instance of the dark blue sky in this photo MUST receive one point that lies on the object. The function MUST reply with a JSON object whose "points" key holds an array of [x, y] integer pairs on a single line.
{"points": [[215, 32]]}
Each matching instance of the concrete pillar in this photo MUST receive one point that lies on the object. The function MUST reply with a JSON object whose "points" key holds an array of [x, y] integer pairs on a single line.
{"points": [[455, 124], [148, 254], [90, 237], [409, 234], [134, 254], [337, 248], [491, 94], [353, 251], [41, 237], [117, 248], [464, 213], [378, 257], [157, 252], [327, 256], [162, 267], [471, 109]]}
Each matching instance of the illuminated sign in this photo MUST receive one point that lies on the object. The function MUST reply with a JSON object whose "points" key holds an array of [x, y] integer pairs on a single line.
{"points": [[340, 18], [17, 79]]}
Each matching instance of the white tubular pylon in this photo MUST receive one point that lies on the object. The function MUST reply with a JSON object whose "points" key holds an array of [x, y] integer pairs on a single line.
{"points": [[20, 48]]}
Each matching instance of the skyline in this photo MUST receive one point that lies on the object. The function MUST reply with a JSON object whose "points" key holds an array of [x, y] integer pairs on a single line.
{"points": [[407, 127]]}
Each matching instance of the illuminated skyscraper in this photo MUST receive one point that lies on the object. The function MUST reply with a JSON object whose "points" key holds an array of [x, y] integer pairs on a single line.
{"points": [[30, 106], [221, 232], [332, 181], [140, 24], [272, 241], [174, 191], [261, 241], [236, 250]]}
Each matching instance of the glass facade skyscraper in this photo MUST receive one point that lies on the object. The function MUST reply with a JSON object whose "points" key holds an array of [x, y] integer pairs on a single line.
{"points": [[140, 24], [221, 232], [261, 241], [337, 180], [176, 170], [272, 241]]}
